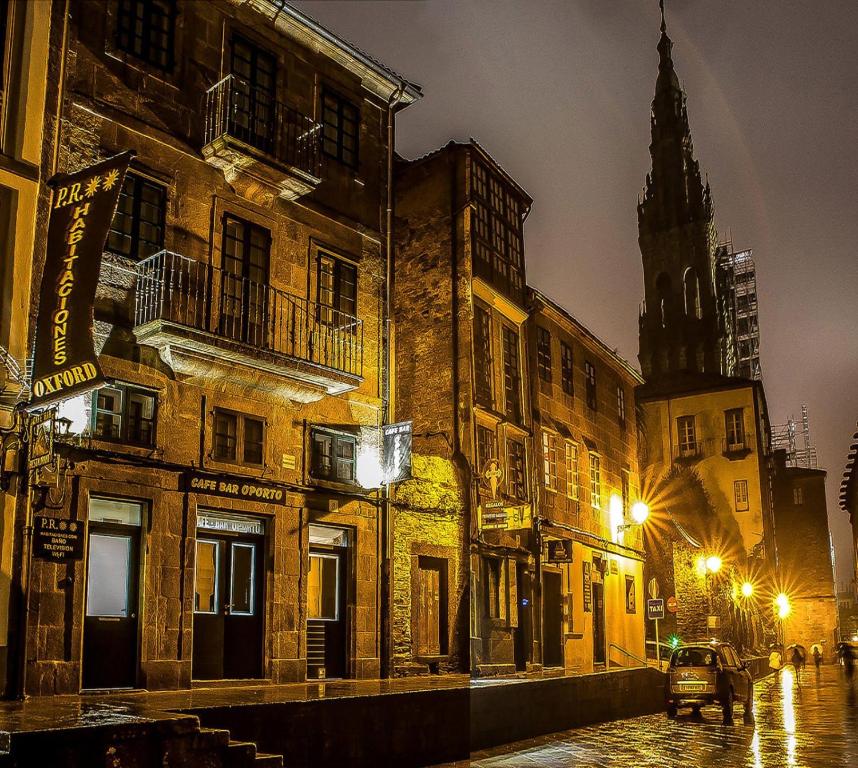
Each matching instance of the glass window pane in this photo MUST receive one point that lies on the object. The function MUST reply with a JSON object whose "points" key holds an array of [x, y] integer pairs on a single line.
{"points": [[322, 587], [206, 577], [108, 575], [241, 594]]}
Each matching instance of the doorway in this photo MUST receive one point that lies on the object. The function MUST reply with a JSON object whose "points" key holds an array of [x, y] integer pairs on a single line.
{"points": [[327, 582], [598, 623], [112, 576], [228, 599], [523, 637], [552, 616]]}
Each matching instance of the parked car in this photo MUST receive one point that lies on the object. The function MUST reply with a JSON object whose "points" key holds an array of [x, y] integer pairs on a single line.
{"points": [[709, 673]]}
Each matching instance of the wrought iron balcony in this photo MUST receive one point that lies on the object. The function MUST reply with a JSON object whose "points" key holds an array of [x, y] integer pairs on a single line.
{"points": [[208, 322], [248, 130]]}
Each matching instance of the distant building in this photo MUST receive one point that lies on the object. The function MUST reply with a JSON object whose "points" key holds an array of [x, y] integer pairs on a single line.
{"points": [[737, 277], [588, 550], [805, 555]]}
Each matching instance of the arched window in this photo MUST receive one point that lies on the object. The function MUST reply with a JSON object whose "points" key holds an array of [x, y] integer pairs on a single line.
{"points": [[663, 289], [692, 294]]}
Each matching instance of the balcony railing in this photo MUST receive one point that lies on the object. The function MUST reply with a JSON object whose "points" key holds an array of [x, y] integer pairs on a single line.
{"points": [[180, 291], [239, 110]]}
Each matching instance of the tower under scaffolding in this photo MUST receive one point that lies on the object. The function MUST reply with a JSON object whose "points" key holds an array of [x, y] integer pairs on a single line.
{"points": [[738, 279], [794, 438]]}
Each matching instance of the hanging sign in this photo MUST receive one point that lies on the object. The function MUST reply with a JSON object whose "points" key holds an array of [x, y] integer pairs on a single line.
{"points": [[559, 551], [397, 451], [58, 540], [82, 208], [41, 438]]}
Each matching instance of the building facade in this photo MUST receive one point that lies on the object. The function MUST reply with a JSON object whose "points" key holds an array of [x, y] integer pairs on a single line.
{"points": [[588, 550], [805, 556], [224, 473], [738, 276], [461, 376]]}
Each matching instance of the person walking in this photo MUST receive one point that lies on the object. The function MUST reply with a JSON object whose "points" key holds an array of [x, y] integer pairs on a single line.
{"points": [[848, 656], [816, 652]]}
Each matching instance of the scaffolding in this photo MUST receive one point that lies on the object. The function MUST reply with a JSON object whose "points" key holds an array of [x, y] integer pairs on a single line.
{"points": [[739, 280], [795, 440]]}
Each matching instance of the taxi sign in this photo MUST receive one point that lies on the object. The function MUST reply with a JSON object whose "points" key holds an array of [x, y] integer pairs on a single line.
{"points": [[655, 609]]}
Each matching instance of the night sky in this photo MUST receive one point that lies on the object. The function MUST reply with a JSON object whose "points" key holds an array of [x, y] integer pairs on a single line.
{"points": [[559, 93]]}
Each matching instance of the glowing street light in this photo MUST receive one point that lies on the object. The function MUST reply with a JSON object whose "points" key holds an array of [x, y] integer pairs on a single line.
{"points": [[713, 563], [640, 512], [783, 605], [747, 589]]}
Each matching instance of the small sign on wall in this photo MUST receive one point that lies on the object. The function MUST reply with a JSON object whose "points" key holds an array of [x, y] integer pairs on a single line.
{"points": [[58, 540], [588, 587]]}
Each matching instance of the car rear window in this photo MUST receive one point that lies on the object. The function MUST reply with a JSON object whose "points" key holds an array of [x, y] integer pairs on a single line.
{"points": [[694, 657]]}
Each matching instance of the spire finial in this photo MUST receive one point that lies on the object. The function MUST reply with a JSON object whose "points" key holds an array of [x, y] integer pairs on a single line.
{"points": [[661, 6]]}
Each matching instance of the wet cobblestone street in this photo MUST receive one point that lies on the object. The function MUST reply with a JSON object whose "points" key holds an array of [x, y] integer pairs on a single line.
{"points": [[811, 725]]}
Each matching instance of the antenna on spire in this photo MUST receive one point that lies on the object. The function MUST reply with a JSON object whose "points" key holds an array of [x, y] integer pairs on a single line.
{"points": [[661, 6]]}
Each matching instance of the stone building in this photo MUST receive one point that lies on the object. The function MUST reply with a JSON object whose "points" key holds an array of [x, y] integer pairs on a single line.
{"points": [[805, 559], [849, 504], [225, 472], [588, 550], [460, 375], [27, 121]]}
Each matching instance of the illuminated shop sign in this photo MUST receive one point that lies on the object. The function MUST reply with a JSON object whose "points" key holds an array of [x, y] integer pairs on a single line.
{"points": [[397, 451], [235, 488], [212, 521], [81, 211]]}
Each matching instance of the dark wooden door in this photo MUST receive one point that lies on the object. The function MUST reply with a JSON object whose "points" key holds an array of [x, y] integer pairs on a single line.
{"points": [[245, 299], [552, 614], [523, 638], [599, 654], [110, 623]]}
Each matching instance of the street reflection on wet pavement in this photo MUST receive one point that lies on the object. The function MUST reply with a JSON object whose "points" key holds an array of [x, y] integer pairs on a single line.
{"points": [[811, 722]]}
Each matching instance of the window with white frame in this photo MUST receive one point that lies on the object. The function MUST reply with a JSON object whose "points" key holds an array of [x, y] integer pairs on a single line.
{"points": [[549, 460], [734, 427], [740, 491], [595, 481], [572, 470], [687, 433]]}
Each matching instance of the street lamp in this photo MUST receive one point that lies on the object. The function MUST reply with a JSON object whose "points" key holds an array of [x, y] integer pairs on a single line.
{"points": [[713, 563], [783, 606], [640, 514], [747, 589]]}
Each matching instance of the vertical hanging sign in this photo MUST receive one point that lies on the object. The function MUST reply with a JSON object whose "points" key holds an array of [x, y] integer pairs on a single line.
{"points": [[82, 208]]}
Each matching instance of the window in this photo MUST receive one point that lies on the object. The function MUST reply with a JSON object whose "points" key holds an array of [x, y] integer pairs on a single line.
{"points": [[511, 375], [734, 425], [566, 365], [340, 123], [125, 414], [333, 457], [631, 595], [621, 406], [337, 292], [146, 29], [495, 603], [254, 88], [686, 429], [322, 588], [740, 491], [244, 282], [487, 447], [798, 495], [238, 439], [517, 481], [549, 460], [497, 231], [431, 601], [595, 481], [483, 365], [206, 577], [543, 353], [624, 490], [590, 375], [137, 229], [572, 470]]}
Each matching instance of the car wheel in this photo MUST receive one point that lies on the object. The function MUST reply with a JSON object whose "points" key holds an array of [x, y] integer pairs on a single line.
{"points": [[727, 707], [671, 711]]}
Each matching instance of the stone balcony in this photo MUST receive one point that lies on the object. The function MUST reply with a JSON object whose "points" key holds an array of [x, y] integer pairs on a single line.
{"points": [[209, 324]]}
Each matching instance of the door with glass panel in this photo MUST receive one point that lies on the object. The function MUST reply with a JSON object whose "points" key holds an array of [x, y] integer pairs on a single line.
{"points": [[227, 608], [326, 619], [244, 304], [110, 620]]}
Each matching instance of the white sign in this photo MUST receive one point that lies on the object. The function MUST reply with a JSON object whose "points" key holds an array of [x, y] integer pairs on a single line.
{"points": [[229, 524]]}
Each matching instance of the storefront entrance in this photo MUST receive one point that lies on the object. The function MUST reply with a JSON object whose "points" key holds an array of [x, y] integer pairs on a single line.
{"points": [[598, 623], [112, 576], [228, 597], [327, 584], [552, 616]]}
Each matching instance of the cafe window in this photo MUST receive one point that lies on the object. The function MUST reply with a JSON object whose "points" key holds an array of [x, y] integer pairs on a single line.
{"points": [[137, 229], [238, 439], [337, 292], [125, 414], [340, 124], [511, 375], [740, 491], [590, 377], [483, 364], [206, 570], [566, 368], [543, 353], [146, 30], [572, 470], [333, 456], [517, 482], [549, 460], [595, 481]]}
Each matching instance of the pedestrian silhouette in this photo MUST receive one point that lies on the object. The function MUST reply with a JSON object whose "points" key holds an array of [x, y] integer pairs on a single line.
{"points": [[816, 652]]}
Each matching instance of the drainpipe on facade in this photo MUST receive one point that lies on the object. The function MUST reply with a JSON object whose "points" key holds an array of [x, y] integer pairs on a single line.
{"points": [[385, 603]]}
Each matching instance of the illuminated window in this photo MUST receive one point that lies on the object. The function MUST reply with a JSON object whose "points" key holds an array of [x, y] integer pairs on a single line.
{"points": [[340, 126], [322, 587], [624, 479], [590, 376], [483, 363], [333, 456], [595, 481], [571, 470], [146, 30], [238, 439], [137, 229], [543, 354], [566, 368], [125, 414], [549, 460], [740, 491]]}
